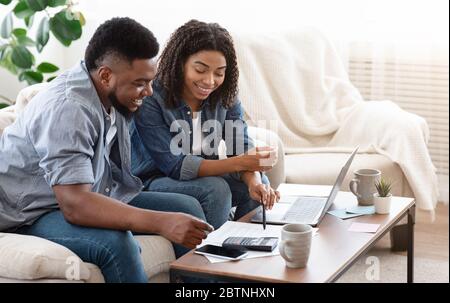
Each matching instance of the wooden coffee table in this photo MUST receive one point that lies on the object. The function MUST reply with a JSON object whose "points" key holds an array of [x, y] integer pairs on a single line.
{"points": [[334, 250]]}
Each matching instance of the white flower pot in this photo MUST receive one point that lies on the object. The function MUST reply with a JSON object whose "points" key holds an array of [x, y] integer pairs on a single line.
{"points": [[382, 204]]}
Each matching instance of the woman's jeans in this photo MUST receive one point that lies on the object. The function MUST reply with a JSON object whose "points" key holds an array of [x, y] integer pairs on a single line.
{"points": [[216, 195], [115, 252]]}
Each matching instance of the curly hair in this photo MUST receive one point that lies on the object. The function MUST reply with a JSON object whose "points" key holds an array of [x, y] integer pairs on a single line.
{"points": [[122, 37], [192, 37]]}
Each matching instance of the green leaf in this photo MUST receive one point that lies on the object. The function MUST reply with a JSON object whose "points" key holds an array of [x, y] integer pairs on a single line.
{"points": [[63, 29], [7, 26], [55, 3], [46, 67], [43, 33], [25, 41], [19, 32], [6, 61], [22, 57], [81, 18], [37, 5], [22, 10], [5, 2], [29, 21], [31, 77], [3, 105], [51, 78]]}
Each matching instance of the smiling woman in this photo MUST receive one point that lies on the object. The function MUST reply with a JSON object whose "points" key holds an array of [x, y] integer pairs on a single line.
{"points": [[198, 61], [195, 95], [203, 72]]}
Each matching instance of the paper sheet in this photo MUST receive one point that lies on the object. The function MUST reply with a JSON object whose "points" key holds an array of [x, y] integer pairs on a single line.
{"points": [[363, 227], [241, 229]]}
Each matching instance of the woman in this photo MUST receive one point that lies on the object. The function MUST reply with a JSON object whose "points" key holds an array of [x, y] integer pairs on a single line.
{"points": [[194, 106]]}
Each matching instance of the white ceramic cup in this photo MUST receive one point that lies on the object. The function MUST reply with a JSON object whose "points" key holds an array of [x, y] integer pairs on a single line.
{"points": [[295, 244]]}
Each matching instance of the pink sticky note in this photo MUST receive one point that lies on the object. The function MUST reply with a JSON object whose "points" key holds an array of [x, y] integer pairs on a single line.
{"points": [[363, 227]]}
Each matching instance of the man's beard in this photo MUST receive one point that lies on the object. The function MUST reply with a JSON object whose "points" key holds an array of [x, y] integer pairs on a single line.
{"points": [[119, 107]]}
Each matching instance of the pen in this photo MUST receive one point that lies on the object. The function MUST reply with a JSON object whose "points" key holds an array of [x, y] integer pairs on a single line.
{"points": [[264, 216]]}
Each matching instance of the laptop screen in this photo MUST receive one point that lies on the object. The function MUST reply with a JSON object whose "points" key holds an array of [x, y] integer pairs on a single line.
{"points": [[338, 183]]}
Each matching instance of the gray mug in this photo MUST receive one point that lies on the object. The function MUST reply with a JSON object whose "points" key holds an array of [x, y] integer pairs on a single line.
{"points": [[363, 185]]}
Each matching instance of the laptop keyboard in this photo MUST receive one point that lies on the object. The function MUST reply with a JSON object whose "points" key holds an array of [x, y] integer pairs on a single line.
{"points": [[305, 209]]}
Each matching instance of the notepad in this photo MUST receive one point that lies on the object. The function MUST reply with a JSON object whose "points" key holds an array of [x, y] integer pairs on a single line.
{"points": [[363, 210], [342, 214]]}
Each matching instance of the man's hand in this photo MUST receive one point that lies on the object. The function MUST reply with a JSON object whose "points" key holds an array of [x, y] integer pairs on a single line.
{"points": [[184, 229], [265, 194]]}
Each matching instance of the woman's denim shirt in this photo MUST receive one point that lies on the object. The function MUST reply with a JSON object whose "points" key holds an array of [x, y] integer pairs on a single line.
{"points": [[161, 137]]}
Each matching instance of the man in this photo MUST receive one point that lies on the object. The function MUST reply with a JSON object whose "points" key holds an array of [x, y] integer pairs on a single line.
{"points": [[65, 163]]}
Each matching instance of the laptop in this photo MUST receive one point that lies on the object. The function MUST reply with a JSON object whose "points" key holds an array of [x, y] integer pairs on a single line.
{"points": [[305, 209]]}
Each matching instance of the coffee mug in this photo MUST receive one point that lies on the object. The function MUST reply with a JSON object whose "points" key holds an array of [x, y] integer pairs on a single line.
{"points": [[295, 244], [363, 185]]}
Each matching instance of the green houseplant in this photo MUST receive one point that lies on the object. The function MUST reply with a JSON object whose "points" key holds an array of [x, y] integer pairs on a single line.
{"points": [[382, 198], [17, 46]]}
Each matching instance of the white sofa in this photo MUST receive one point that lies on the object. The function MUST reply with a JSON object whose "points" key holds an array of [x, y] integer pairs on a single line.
{"points": [[295, 82], [32, 259]]}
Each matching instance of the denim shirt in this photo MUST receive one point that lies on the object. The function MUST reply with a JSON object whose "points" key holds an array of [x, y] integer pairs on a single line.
{"points": [[155, 126], [60, 139]]}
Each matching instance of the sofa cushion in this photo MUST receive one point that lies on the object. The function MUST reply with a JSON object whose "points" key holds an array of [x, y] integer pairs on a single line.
{"points": [[157, 254], [323, 169], [29, 257]]}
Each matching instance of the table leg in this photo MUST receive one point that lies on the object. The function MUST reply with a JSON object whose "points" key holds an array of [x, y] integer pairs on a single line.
{"points": [[410, 251]]}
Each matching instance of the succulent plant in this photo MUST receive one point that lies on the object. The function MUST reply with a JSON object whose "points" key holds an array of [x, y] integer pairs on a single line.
{"points": [[383, 187]]}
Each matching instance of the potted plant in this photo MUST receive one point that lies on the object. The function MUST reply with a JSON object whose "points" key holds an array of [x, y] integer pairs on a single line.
{"points": [[18, 48], [382, 198]]}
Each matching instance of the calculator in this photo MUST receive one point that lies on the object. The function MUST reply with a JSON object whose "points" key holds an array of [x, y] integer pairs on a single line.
{"points": [[262, 243]]}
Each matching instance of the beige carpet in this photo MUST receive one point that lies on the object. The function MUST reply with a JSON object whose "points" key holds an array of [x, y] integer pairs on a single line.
{"points": [[392, 269], [431, 261]]}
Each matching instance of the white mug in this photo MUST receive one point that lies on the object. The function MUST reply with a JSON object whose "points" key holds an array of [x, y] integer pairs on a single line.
{"points": [[295, 244]]}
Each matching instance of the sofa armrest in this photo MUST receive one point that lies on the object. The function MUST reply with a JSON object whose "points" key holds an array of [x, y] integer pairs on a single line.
{"points": [[7, 117], [262, 137]]}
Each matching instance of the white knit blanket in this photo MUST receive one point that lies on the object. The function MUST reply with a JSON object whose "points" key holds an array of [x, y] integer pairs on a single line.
{"points": [[298, 79]]}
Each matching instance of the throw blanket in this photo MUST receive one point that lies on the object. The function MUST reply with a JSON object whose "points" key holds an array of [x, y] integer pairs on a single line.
{"points": [[299, 80]]}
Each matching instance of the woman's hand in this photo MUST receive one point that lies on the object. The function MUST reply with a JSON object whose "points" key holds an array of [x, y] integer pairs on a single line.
{"points": [[265, 194], [258, 159]]}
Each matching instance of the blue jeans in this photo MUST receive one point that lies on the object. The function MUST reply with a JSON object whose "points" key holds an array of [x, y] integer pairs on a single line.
{"points": [[216, 195], [115, 252]]}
